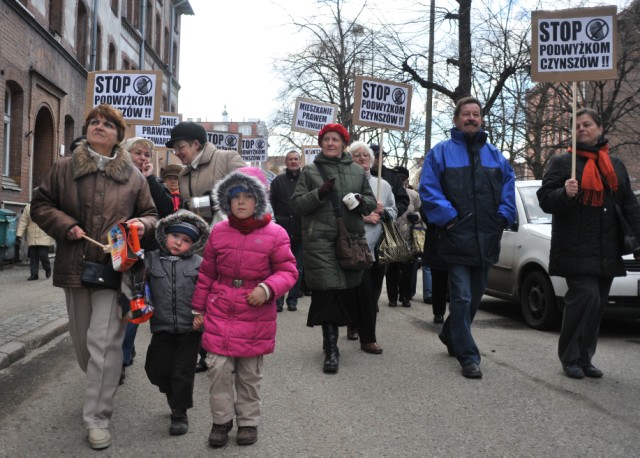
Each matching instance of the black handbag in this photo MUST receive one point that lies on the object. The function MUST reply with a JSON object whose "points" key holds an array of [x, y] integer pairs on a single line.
{"points": [[95, 275], [627, 237]]}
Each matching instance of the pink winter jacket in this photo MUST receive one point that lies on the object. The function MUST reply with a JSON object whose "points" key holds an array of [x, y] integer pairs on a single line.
{"points": [[232, 327]]}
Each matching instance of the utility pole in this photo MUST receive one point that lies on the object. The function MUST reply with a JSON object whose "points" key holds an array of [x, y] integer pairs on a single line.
{"points": [[429, 104]]}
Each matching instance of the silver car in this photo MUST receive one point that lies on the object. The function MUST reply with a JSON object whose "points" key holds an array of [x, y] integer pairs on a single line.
{"points": [[521, 273]]}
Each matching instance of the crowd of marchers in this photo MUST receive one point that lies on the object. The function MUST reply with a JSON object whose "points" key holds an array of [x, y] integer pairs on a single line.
{"points": [[225, 250]]}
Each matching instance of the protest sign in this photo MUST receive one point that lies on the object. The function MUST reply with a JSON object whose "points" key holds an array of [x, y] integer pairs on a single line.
{"points": [[578, 44], [309, 153], [136, 93], [229, 141], [254, 149], [160, 133], [380, 103], [310, 116]]}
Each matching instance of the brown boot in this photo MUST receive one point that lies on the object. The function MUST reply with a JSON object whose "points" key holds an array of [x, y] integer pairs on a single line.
{"points": [[219, 435], [247, 435]]}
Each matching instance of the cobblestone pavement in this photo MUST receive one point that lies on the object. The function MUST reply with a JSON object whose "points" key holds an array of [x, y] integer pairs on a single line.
{"points": [[31, 312]]}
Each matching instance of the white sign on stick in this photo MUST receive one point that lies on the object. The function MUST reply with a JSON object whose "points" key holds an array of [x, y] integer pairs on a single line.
{"points": [[136, 93], [254, 149], [159, 134], [229, 141], [309, 152], [311, 116], [578, 44], [381, 103]]}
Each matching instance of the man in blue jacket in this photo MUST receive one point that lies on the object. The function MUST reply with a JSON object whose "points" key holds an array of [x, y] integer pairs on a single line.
{"points": [[468, 197]]}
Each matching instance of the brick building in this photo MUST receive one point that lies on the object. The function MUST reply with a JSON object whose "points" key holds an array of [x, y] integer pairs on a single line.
{"points": [[47, 48]]}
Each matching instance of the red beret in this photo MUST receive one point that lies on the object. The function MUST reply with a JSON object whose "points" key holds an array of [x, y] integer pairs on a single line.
{"points": [[339, 128]]}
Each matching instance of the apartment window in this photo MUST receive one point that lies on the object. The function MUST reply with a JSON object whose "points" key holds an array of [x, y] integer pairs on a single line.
{"points": [[6, 149], [221, 127], [81, 34], [245, 129]]}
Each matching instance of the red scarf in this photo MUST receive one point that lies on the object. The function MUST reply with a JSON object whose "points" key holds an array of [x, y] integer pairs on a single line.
{"points": [[249, 224], [598, 162], [175, 198]]}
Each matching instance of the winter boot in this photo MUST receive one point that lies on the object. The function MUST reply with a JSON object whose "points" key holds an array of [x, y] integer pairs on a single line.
{"points": [[332, 354]]}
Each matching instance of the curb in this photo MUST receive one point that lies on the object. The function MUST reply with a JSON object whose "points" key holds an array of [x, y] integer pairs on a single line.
{"points": [[18, 349]]}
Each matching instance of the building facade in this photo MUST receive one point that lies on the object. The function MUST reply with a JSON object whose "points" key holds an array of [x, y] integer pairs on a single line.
{"points": [[47, 48]]}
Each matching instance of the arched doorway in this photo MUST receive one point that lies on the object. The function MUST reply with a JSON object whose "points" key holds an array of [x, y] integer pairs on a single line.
{"points": [[43, 145]]}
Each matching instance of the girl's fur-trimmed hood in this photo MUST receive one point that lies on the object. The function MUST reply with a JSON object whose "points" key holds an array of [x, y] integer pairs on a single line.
{"points": [[179, 217], [250, 182]]}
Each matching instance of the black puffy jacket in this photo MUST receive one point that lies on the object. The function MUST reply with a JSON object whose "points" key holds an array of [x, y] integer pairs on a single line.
{"points": [[585, 239]]}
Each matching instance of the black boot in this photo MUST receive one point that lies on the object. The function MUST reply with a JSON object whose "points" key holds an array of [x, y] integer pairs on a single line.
{"points": [[332, 354]]}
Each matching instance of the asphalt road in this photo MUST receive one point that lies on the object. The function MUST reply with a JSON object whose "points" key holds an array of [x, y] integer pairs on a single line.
{"points": [[409, 401]]}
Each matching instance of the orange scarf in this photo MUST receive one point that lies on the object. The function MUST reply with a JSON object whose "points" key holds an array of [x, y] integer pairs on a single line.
{"points": [[598, 163]]}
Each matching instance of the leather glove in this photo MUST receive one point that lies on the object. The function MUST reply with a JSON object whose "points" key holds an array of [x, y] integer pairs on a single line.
{"points": [[326, 188], [413, 218]]}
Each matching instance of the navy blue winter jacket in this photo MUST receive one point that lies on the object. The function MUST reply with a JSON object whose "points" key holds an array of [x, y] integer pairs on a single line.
{"points": [[476, 196]]}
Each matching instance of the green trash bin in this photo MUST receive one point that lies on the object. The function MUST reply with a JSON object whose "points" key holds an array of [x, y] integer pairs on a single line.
{"points": [[8, 225]]}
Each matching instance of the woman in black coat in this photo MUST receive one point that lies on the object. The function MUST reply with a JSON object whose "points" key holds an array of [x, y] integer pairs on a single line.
{"points": [[586, 242]]}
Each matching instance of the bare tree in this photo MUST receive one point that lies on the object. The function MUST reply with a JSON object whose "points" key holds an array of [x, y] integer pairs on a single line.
{"points": [[339, 49]]}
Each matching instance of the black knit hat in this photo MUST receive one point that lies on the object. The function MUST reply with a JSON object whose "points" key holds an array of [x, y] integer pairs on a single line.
{"points": [[189, 131]]}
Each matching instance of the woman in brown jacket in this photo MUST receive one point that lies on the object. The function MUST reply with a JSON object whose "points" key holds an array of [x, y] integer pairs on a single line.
{"points": [[87, 193]]}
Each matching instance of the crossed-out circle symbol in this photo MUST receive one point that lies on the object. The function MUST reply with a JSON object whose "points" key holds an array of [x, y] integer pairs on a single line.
{"points": [[142, 85], [398, 95]]}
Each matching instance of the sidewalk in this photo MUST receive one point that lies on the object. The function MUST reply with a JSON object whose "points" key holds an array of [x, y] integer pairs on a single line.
{"points": [[31, 313]]}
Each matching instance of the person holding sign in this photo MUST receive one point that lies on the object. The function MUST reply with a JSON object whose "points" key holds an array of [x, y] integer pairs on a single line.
{"points": [[206, 165], [585, 246], [85, 195], [468, 197], [333, 288]]}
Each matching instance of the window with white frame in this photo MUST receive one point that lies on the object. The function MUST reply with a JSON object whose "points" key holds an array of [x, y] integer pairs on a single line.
{"points": [[6, 153]]}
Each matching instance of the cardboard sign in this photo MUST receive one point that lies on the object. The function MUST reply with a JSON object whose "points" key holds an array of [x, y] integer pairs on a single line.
{"points": [[310, 116], [578, 44], [254, 149], [136, 93], [159, 134], [309, 153], [381, 103], [229, 141]]}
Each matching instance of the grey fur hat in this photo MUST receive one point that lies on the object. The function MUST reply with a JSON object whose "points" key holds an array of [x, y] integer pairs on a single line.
{"points": [[182, 216], [246, 178]]}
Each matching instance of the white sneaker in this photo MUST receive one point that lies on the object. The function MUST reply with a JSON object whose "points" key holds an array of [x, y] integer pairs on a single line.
{"points": [[99, 438]]}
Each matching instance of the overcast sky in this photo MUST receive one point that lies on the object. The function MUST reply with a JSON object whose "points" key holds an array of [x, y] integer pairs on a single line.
{"points": [[227, 49]]}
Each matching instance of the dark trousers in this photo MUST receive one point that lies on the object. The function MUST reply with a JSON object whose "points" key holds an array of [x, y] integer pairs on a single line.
{"points": [[439, 289], [292, 297], [170, 367], [366, 309], [377, 272], [38, 253], [584, 306], [399, 276]]}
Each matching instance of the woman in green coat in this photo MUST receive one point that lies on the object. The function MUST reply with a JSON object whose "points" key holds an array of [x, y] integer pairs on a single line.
{"points": [[332, 287]]}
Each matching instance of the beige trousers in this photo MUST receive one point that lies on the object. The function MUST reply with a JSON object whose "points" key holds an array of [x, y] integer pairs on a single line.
{"points": [[97, 334], [246, 374]]}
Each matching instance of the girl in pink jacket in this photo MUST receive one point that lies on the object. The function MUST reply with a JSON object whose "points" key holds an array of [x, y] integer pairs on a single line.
{"points": [[247, 264]]}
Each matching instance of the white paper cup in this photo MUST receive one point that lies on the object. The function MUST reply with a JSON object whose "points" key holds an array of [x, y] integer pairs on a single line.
{"points": [[351, 201]]}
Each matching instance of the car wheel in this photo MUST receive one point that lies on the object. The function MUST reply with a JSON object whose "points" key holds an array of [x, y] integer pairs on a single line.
{"points": [[538, 301]]}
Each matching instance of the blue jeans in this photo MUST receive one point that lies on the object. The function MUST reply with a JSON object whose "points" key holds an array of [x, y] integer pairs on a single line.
{"points": [[426, 282], [128, 344], [292, 298], [466, 285]]}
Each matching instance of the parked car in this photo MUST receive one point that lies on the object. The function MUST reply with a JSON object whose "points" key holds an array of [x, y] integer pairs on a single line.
{"points": [[521, 273]]}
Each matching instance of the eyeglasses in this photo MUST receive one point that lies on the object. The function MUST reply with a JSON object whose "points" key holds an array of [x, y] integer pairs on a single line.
{"points": [[179, 147]]}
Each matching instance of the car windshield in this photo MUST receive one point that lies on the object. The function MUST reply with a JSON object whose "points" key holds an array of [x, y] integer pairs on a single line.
{"points": [[535, 215]]}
